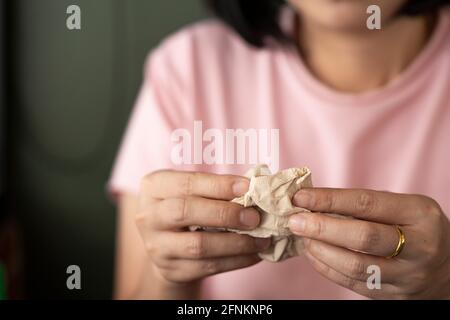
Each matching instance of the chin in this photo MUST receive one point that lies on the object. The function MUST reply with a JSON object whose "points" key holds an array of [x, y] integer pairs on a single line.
{"points": [[343, 14], [343, 18]]}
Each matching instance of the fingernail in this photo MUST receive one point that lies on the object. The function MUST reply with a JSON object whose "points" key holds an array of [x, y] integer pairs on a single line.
{"points": [[249, 218], [262, 243], [240, 187], [297, 223], [303, 199]]}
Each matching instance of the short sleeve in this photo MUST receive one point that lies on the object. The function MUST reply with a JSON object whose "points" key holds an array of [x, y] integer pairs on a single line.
{"points": [[146, 143], [169, 105]]}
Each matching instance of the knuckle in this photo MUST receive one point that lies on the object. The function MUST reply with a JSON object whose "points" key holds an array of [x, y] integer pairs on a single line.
{"points": [[144, 222], [315, 248], [181, 210], [140, 219], [210, 266], [223, 215], [322, 268], [187, 183], [350, 283], [165, 273], [430, 253], [411, 289], [215, 185], [328, 201], [431, 249], [315, 227], [196, 246], [150, 180], [228, 215], [172, 273], [345, 281], [419, 280], [431, 207], [146, 181], [365, 202], [161, 262], [145, 217], [169, 275], [151, 247], [369, 239], [356, 269]]}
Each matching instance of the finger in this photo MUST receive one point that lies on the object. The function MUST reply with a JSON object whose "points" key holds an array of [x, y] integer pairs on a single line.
{"points": [[355, 265], [165, 184], [359, 287], [175, 213], [201, 245], [182, 270], [378, 206], [369, 237]]}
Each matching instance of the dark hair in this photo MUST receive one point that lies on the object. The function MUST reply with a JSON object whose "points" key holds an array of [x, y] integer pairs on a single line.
{"points": [[254, 20]]}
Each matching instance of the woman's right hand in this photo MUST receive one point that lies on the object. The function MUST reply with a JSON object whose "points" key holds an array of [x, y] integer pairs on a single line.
{"points": [[171, 201]]}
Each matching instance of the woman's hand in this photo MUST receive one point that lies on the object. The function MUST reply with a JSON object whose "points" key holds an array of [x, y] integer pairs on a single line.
{"points": [[171, 201], [335, 246]]}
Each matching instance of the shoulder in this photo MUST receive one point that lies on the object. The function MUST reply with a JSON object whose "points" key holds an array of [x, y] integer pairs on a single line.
{"points": [[206, 36], [444, 32], [445, 17], [442, 40], [205, 45]]}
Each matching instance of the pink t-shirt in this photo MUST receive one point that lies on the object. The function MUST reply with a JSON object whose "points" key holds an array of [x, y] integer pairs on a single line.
{"points": [[396, 138]]}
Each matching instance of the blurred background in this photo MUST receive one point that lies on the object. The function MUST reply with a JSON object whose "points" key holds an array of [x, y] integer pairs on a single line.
{"points": [[65, 97]]}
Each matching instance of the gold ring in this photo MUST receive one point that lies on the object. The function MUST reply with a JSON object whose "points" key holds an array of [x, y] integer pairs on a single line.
{"points": [[400, 245]]}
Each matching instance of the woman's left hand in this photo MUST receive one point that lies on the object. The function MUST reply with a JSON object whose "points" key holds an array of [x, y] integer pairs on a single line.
{"points": [[343, 249]]}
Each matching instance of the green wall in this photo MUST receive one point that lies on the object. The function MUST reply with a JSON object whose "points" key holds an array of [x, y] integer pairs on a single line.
{"points": [[72, 94]]}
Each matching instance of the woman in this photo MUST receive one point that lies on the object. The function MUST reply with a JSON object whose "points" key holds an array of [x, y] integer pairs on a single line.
{"points": [[368, 111]]}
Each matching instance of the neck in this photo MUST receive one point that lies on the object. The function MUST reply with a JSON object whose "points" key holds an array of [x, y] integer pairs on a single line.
{"points": [[357, 62]]}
